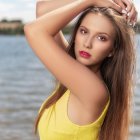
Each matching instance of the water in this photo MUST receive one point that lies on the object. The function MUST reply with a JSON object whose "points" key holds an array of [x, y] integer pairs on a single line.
{"points": [[25, 83]]}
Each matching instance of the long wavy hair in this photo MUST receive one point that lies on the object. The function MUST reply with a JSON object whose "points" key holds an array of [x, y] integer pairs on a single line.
{"points": [[117, 72]]}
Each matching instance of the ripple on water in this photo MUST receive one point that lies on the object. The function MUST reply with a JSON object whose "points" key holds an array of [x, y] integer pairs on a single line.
{"points": [[24, 85]]}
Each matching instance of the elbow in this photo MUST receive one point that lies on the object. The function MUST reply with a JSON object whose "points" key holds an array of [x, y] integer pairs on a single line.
{"points": [[30, 34], [32, 30], [25, 28], [28, 30]]}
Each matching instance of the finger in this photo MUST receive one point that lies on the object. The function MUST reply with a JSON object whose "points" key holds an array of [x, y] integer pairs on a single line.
{"points": [[120, 3], [136, 17], [116, 6], [133, 17], [128, 4], [135, 21]]}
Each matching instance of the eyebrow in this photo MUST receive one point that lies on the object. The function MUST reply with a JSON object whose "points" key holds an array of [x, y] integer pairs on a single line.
{"points": [[98, 32]]}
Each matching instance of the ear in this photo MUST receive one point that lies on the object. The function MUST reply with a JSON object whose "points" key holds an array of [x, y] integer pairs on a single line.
{"points": [[111, 53]]}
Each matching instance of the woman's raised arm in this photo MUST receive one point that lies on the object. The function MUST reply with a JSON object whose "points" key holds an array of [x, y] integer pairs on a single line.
{"points": [[45, 6], [81, 81]]}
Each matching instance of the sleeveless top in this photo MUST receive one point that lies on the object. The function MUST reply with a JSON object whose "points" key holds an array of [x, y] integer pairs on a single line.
{"points": [[54, 124]]}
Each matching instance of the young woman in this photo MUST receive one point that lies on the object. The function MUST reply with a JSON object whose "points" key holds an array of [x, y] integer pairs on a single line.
{"points": [[92, 99]]}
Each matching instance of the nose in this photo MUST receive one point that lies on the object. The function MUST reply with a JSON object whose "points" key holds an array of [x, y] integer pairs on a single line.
{"points": [[87, 42]]}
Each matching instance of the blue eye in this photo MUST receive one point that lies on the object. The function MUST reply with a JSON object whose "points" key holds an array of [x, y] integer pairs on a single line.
{"points": [[102, 38]]}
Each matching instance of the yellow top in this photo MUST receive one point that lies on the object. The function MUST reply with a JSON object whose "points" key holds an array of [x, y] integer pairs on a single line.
{"points": [[55, 124]]}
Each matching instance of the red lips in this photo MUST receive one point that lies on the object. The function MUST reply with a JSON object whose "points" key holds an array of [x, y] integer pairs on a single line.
{"points": [[84, 54]]}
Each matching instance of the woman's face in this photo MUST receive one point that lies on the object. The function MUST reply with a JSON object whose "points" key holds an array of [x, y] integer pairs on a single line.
{"points": [[95, 36]]}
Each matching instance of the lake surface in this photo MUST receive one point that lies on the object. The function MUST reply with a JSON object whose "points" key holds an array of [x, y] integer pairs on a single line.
{"points": [[24, 85]]}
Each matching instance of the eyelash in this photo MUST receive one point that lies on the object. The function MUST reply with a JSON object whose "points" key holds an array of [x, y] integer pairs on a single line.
{"points": [[104, 38], [82, 30]]}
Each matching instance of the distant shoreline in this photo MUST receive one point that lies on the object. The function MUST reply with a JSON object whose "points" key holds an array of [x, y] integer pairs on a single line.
{"points": [[15, 27]]}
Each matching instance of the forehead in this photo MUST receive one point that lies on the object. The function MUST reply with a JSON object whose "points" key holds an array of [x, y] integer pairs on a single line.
{"points": [[99, 23]]}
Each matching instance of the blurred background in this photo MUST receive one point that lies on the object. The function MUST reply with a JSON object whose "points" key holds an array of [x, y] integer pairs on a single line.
{"points": [[24, 81]]}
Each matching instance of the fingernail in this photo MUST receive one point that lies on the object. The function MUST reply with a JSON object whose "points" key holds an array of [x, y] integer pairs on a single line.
{"points": [[124, 11], [128, 14], [130, 24]]}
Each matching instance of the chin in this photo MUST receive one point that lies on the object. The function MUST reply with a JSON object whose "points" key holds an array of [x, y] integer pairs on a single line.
{"points": [[84, 62]]}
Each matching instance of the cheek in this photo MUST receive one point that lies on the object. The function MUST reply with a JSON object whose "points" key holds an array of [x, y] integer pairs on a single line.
{"points": [[78, 40], [103, 50]]}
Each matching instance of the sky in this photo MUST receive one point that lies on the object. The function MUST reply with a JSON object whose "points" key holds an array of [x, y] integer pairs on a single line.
{"points": [[25, 9]]}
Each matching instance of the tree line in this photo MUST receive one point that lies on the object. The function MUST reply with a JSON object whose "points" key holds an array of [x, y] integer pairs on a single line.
{"points": [[15, 27]]}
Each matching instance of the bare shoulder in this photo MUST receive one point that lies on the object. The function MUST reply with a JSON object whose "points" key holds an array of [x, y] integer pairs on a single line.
{"points": [[90, 112], [96, 95]]}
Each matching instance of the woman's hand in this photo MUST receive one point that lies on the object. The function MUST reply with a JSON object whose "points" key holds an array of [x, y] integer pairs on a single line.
{"points": [[131, 13], [107, 3], [126, 7]]}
